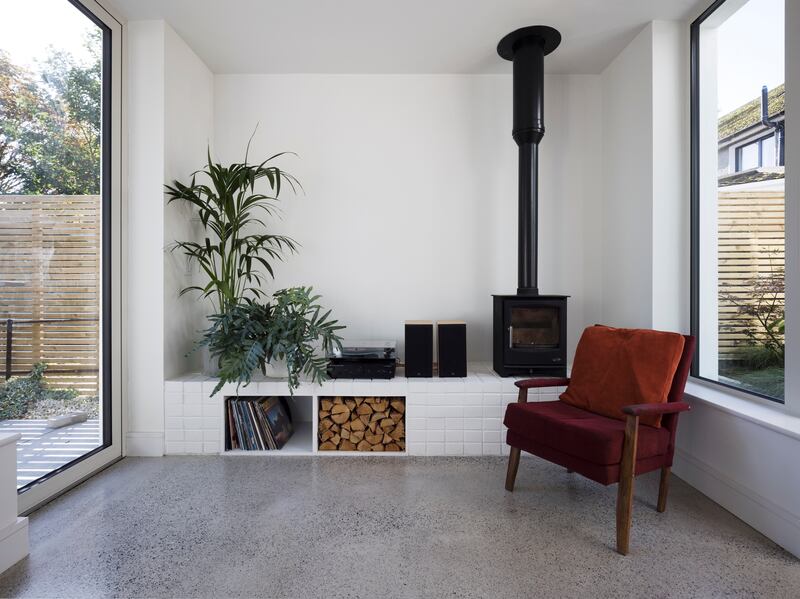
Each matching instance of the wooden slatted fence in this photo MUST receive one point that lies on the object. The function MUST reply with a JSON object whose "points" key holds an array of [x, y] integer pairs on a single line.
{"points": [[50, 286], [751, 244]]}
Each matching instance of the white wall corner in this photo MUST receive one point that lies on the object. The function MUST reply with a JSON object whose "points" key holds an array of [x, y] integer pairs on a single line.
{"points": [[670, 183], [627, 194], [145, 281], [645, 184], [170, 124], [189, 132]]}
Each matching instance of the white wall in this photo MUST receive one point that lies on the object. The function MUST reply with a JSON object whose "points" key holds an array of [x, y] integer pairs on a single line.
{"points": [[188, 131], [170, 103], [627, 185], [645, 204], [670, 219], [145, 349], [411, 191]]}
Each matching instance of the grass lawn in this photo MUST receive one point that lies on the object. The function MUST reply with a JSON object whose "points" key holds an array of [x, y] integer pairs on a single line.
{"points": [[768, 381]]}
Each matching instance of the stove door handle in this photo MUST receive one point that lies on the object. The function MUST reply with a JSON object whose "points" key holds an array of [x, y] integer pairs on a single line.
{"points": [[510, 337]]}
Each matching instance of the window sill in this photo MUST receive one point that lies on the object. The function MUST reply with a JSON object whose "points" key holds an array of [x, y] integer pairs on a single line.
{"points": [[758, 412]]}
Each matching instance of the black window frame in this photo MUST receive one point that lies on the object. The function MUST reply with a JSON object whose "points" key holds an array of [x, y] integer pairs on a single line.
{"points": [[694, 211]]}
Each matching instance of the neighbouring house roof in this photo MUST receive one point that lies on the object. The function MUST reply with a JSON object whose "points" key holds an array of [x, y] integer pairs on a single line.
{"points": [[752, 176], [749, 114]]}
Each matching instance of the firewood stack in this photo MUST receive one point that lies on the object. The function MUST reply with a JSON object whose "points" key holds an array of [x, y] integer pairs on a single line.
{"points": [[362, 424]]}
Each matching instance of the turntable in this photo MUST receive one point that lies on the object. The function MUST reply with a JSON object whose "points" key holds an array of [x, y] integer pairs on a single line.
{"points": [[363, 360]]}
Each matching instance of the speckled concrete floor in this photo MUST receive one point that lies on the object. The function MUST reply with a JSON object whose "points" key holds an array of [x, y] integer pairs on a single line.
{"points": [[376, 527]]}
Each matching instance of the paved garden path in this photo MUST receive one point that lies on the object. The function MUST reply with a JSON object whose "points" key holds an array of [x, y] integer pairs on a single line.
{"points": [[42, 449]]}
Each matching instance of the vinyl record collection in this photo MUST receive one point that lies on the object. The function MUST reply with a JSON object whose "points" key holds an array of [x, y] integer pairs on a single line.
{"points": [[257, 423]]}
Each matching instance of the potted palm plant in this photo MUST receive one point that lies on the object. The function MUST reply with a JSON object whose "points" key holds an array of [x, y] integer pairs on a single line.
{"points": [[250, 329]]}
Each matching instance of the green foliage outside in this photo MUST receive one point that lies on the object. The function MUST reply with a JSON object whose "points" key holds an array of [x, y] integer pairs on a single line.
{"points": [[19, 396], [767, 381], [759, 363], [50, 124]]}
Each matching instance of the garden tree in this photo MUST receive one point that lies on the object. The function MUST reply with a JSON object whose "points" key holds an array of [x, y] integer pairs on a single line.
{"points": [[20, 107], [50, 126], [764, 309]]}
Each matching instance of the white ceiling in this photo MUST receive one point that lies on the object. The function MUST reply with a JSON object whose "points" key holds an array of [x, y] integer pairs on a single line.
{"points": [[397, 36]]}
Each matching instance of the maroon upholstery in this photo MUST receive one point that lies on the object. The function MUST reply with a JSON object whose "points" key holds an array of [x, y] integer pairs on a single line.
{"points": [[570, 430], [604, 474], [591, 444]]}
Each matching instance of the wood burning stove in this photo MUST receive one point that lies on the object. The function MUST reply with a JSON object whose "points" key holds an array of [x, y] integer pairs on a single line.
{"points": [[530, 335], [530, 330]]}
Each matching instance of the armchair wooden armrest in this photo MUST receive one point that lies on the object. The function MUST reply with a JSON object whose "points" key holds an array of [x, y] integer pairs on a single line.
{"points": [[653, 409], [545, 381]]}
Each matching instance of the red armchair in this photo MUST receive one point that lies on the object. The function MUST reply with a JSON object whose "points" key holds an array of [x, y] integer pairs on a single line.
{"points": [[603, 449]]}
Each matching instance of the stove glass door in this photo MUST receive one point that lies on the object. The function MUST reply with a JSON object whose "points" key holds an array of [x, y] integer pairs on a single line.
{"points": [[534, 327]]}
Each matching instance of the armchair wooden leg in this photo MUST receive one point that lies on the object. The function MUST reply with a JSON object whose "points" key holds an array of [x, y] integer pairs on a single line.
{"points": [[625, 487], [663, 489], [513, 464]]}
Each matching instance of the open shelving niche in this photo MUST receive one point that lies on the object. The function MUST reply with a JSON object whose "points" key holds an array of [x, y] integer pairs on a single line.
{"points": [[304, 409]]}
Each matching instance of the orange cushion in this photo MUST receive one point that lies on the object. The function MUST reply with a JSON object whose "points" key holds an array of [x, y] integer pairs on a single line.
{"points": [[614, 368]]}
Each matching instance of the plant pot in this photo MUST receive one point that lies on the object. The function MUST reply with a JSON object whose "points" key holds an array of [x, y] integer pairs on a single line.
{"points": [[276, 369], [210, 367]]}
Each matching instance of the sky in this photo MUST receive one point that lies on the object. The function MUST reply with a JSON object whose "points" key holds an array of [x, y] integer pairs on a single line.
{"points": [[750, 53], [28, 27]]}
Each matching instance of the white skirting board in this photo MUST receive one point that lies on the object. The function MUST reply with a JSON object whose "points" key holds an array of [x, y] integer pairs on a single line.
{"points": [[148, 444], [765, 516], [743, 456]]}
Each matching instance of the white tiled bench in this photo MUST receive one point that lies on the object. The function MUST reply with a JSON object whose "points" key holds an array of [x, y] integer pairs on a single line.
{"points": [[444, 416]]}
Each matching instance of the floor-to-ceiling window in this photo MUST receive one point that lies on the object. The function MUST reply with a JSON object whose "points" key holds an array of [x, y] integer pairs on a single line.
{"points": [[59, 212], [738, 198]]}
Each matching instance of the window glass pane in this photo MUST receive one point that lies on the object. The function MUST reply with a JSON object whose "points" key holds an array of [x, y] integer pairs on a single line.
{"points": [[739, 312], [768, 152], [748, 156], [51, 212], [722, 164]]}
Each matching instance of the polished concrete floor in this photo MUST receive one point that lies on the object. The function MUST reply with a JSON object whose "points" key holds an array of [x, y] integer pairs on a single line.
{"points": [[376, 527]]}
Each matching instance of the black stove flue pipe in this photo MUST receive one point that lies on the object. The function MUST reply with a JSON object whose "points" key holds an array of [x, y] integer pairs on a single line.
{"points": [[526, 48]]}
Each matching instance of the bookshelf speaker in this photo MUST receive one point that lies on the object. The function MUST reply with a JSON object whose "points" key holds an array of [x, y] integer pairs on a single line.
{"points": [[452, 348], [419, 348]]}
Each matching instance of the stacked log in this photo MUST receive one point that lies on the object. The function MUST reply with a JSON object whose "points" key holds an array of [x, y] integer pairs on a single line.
{"points": [[362, 424]]}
